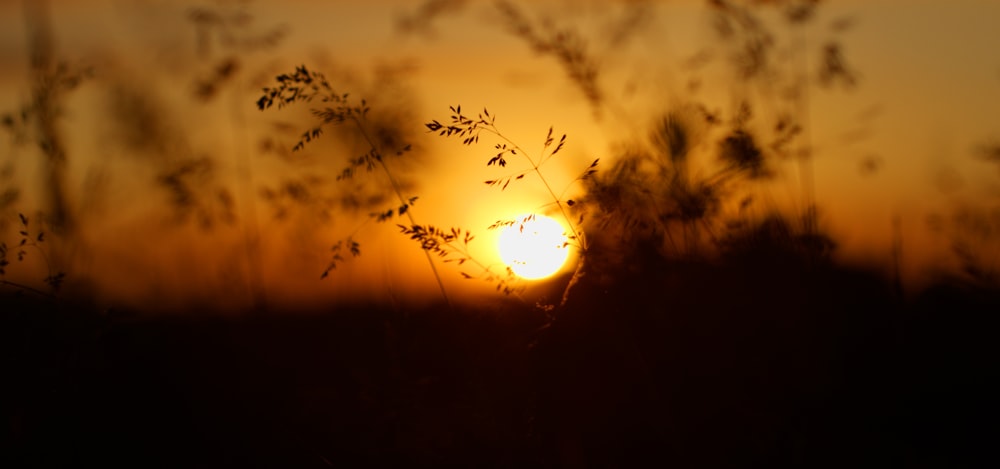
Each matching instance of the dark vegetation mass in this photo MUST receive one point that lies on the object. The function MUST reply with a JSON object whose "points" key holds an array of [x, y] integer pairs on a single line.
{"points": [[691, 365], [701, 327]]}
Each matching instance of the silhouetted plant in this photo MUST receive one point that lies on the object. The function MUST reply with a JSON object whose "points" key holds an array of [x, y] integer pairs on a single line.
{"points": [[452, 246], [776, 66], [551, 37], [187, 181], [973, 232], [741, 153], [658, 191], [308, 86], [230, 27], [38, 122], [9, 195], [337, 255], [469, 130], [834, 68], [684, 203], [51, 79], [673, 193], [190, 180], [773, 239], [18, 124], [990, 153], [976, 236], [33, 239], [35, 122], [566, 45], [425, 13]]}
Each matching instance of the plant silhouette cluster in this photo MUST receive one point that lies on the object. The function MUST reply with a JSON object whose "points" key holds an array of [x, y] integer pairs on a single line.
{"points": [[426, 12], [725, 337], [972, 231], [337, 255], [36, 122], [230, 28], [697, 180], [470, 129], [10, 194], [566, 45], [661, 189], [551, 37], [308, 86], [29, 239], [774, 67], [230, 25], [187, 181]]}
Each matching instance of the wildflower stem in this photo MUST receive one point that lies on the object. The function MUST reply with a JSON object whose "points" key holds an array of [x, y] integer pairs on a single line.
{"points": [[402, 200], [535, 167], [581, 241]]}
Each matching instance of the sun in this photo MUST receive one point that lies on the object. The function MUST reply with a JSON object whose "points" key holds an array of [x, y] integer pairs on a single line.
{"points": [[534, 247]]}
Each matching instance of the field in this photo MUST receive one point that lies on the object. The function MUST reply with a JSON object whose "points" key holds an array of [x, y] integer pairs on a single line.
{"points": [[718, 366]]}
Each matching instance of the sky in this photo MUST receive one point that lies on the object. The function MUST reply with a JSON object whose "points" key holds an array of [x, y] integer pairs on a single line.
{"points": [[899, 146]]}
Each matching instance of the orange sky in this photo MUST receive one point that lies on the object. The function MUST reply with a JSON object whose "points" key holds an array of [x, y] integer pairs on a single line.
{"points": [[928, 83]]}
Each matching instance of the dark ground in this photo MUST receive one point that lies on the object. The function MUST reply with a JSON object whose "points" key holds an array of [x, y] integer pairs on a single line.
{"points": [[702, 367]]}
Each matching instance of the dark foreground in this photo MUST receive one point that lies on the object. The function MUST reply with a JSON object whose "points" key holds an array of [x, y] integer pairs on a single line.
{"points": [[720, 369]]}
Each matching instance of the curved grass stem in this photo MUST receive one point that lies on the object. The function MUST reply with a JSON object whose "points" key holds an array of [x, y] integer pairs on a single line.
{"points": [[578, 236], [402, 200], [536, 167]]}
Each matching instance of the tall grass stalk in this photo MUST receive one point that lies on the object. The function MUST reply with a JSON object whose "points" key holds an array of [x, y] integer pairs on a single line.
{"points": [[304, 85], [403, 201], [470, 129]]}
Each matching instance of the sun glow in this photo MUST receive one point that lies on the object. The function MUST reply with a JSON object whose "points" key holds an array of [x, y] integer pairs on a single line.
{"points": [[534, 246]]}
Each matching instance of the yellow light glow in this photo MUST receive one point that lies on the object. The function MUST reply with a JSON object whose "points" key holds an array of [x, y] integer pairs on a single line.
{"points": [[534, 247]]}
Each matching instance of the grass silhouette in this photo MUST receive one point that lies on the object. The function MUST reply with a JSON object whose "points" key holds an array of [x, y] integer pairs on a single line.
{"points": [[469, 130], [29, 240], [305, 86]]}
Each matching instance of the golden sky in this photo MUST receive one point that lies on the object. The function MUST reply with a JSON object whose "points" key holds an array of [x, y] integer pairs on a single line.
{"points": [[898, 145]]}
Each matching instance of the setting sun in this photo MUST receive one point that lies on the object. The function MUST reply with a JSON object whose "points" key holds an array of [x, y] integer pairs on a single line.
{"points": [[534, 247]]}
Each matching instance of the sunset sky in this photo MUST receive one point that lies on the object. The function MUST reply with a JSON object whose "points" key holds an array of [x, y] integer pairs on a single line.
{"points": [[899, 144]]}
